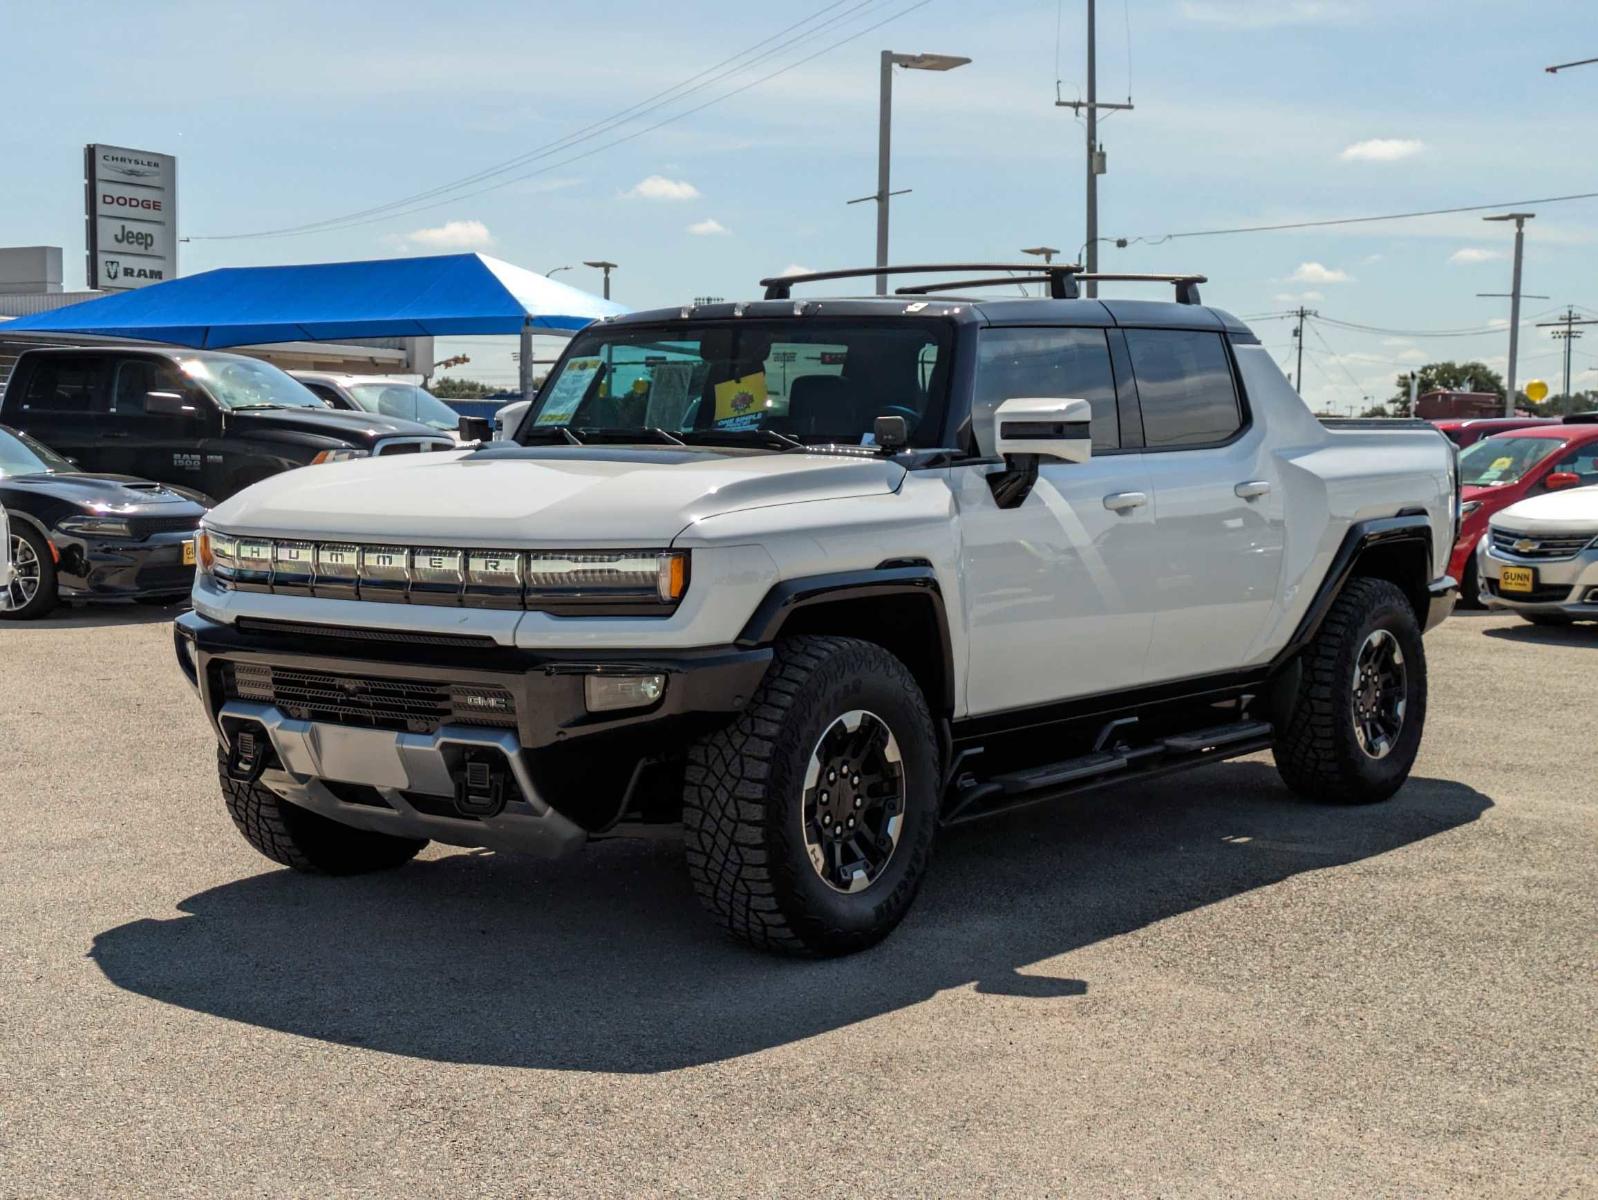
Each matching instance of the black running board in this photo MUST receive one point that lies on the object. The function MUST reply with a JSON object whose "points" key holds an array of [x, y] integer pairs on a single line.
{"points": [[975, 799]]}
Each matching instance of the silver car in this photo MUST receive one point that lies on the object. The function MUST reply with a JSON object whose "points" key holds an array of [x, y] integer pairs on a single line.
{"points": [[1540, 558]]}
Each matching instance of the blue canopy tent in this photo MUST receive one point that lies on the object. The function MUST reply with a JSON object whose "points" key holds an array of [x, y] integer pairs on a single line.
{"points": [[442, 295]]}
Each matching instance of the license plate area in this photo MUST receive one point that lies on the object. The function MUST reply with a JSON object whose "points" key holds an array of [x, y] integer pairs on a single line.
{"points": [[1517, 579], [188, 552]]}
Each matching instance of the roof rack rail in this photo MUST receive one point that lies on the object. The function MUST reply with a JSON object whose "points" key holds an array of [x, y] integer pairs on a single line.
{"points": [[1186, 285], [1059, 276]]}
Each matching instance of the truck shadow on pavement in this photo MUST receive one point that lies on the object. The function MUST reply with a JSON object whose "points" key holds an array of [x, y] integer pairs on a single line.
{"points": [[604, 962], [1548, 635]]}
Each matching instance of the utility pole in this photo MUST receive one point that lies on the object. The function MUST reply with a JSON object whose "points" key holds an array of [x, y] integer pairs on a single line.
{"points": [[1096, 162], [1298, 336], [1568, 334], [1520, 219]]}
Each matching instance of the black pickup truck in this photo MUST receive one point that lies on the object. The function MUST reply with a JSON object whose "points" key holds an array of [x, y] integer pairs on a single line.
{"points": [[212, 422]]}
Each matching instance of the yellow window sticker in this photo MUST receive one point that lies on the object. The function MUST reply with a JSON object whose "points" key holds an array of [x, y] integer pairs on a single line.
{"points": [[740, 403]]}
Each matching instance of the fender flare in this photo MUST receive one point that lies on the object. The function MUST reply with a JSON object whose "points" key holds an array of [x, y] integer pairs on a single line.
{"points": [[892, 578]]}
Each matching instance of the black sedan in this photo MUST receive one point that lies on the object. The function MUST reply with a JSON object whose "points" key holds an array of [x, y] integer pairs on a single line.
{"points": [[75, 536]]}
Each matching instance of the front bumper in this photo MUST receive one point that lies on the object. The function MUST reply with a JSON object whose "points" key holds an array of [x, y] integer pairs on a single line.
{"points": [[1561, 585], [1442, 594], [552, 749], [119, 568]]}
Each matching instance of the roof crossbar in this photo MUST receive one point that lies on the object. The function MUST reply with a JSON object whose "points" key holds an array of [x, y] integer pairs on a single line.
{"points": [[927, 289], [1059, 276], [1186, 285]]}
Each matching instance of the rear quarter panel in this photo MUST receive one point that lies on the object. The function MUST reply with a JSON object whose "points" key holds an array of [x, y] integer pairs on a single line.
{"points": [[1333, 478]]}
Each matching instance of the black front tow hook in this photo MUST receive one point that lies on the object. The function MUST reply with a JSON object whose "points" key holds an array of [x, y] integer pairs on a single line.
{"points": [[248, 754], [480, 788]]}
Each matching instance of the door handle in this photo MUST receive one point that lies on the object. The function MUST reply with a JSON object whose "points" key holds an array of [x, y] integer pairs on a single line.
{"points": [[1252, 490], [1125, 501]]}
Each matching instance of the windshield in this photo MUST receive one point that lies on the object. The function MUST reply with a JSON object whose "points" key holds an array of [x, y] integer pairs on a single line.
{"points": [[404, 400], [1501, 459], [21, 455], [798, 382], [237, 383]]}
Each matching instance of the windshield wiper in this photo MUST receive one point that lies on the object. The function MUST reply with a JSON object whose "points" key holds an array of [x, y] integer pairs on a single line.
{"points": [[248, 407], [565, 432], [740, 437]]}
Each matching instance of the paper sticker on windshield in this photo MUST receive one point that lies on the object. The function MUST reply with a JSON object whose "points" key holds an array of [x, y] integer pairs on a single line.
{"points": [[1502, 464], [741, 403], [561, 405]]}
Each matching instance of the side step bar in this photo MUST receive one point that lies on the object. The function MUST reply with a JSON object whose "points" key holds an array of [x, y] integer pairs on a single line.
{"points": [[1015, 789]]}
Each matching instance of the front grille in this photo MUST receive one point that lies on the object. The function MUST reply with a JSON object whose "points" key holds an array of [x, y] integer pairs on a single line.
{"points": [[1552, 594], [401, 705], [143, 527], [1538, 546]]}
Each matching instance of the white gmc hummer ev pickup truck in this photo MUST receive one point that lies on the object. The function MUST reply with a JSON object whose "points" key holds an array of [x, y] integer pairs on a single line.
{"points": [[802, 580]]}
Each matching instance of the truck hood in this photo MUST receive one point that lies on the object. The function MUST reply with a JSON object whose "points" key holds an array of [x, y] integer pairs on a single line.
{"points": [[362, 429], [516, 496], [1572, 511]]}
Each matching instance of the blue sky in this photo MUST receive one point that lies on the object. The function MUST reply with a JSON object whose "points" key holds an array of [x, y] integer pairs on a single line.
{"points": [[1247, 112]]}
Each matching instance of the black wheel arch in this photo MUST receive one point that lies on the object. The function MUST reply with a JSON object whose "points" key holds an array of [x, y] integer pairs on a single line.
{"points": [[898, 605], [1397, 549]]}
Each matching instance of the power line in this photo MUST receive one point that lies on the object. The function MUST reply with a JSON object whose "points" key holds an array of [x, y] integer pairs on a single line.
{"points": [[1157, 238], [412, 204]]}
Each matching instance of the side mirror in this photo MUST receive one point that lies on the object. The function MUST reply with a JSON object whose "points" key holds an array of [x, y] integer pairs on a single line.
{"points": [[1046, 427], [167, 404], [1561, 479], [891, 433], [475, 429]]}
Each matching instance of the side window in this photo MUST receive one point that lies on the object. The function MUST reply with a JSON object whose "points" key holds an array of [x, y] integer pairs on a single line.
{"points": [[137, 376], [1067, 363], [323, 393], [1580, 460], [64, 385], [1184, 387]]}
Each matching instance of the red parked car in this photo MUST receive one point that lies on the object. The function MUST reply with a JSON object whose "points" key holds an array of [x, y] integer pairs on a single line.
{"points": [[1467, 431], [1499, 470]]}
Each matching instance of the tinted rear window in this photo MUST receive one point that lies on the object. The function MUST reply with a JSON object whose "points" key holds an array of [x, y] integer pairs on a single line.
{"points": [[1184, 387], [64, 384]]}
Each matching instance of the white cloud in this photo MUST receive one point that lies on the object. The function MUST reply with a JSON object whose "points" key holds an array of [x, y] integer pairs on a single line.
{"points": [[709, 227], [451, 235], [1371, 258], [658, 187], [1382, 150], [796, 269], [1397, 341], [1474, 254], [1259, 14], [1314, 272]]}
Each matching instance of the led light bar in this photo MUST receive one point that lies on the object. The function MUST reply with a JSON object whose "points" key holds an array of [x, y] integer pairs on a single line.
{"points": [[620, 582]]}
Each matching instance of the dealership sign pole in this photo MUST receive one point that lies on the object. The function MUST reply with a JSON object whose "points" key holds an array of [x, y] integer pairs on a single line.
{"points": [[131, 199]]}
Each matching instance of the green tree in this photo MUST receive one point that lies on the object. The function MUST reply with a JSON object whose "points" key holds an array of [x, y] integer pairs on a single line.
{"points": [[1447, 377], [449, 387]]}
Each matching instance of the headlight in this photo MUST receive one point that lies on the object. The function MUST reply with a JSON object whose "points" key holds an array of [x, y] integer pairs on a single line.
{"points": [[111, 527], [341, 455], [602, 576]]}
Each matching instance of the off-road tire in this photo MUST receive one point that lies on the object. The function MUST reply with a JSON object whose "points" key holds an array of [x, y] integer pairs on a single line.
{"points": [[47, 597], [308, 841], [1317, 750], [743, 801]]}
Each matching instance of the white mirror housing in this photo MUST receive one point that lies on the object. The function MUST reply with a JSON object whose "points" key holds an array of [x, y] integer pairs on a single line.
{"points": [[1047, 426]]}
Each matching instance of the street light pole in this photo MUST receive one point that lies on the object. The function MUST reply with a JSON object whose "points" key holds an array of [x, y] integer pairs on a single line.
{"points": [[913, 62], [550, 274], [1520, 219], [601, 265]]}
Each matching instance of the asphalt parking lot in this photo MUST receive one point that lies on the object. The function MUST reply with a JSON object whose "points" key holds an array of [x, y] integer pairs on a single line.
{"points": [[1201, 988]]}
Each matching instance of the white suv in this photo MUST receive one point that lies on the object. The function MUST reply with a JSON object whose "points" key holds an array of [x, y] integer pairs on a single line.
{"points": [[801, 581], [1540, 558]]}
